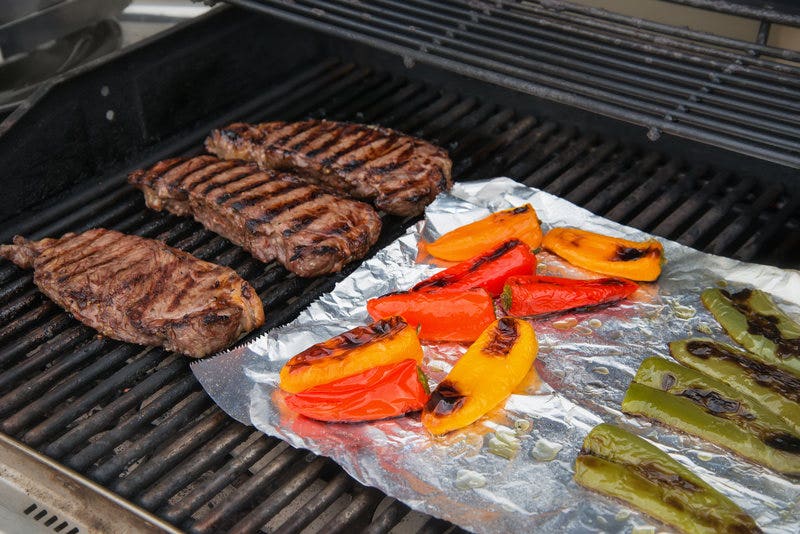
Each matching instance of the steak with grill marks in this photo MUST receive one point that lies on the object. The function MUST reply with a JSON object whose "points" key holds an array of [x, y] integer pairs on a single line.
{"points": [[273, 215], [399, 173], [140, 290]]}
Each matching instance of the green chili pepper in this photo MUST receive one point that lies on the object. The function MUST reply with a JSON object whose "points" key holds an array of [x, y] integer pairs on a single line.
{"points": [[621, 465], [773, 389], [752, 319], [703, 406]]}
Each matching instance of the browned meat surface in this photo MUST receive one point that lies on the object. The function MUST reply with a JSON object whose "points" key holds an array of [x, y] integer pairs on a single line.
{"points": [[140, 290], [399, 173], [273, 215]]}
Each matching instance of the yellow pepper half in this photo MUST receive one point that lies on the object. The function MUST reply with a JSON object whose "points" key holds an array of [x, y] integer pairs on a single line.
{"points": [[614, 256], [383, 342], [468, 241], [484, 376]]}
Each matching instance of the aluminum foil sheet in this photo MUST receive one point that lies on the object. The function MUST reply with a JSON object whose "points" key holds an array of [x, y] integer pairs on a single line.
{"points": [[585, 363]]}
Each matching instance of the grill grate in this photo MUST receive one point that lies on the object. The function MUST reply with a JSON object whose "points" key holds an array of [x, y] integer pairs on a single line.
{"points": [[135, 420], [738, 95]]}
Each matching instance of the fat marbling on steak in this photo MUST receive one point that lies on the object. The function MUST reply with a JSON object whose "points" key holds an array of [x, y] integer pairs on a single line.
{"points": [[141, 290], [399, 173], [273, 215]]}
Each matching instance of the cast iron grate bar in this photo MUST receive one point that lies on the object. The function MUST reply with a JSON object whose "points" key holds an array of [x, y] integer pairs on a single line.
{"points": [[235, 467], [258, 484], [183, 393], [134, 418], [279, 499], [669, 80]]}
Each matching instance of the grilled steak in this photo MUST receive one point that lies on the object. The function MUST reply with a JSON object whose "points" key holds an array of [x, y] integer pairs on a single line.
{"points": [[399, 173], [273, 215], [140, 290]]}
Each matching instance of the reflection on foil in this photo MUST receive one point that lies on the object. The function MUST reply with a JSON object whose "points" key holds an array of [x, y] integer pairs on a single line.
{"points": [[585, 363]]}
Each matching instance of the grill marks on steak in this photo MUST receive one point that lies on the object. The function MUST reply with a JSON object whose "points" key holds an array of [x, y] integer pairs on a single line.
{"points": [[400, 173], [140, 290], [273, 215]]}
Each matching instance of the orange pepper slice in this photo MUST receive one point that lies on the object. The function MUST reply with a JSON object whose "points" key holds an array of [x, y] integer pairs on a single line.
{"points": [[614, 256], [383, 342], [475, 238], [484, 377]]}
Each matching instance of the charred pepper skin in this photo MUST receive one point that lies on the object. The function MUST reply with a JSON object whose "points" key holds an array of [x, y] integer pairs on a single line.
{"points": [[383, 342], [619, 464], [467, 241], [612, 256], [689, 401], [754, 321], [529, 296], [775, 390], [488, 270], [484, 376]]}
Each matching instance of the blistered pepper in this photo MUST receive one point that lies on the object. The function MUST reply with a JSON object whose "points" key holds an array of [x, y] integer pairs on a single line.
{"points": [[775, 390], [697, 404], [619, 464], [377, 393], [483, 377], [525, 296], [386, 341], [605, 254], [488, 270], [754, 321], [458, 315], [476, 238]]}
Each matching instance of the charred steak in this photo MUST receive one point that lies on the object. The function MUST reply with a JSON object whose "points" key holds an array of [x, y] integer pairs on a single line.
{"points": [[140, 290], [271, 214], [399, 173]]}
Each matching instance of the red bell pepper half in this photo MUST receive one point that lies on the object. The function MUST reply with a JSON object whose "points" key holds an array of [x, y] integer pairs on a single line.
{"points": [[377, 393], [445, 315], [525, 296], [488, 270]]}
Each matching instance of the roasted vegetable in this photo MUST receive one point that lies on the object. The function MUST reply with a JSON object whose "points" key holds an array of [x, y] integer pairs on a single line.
{"points": [[384, 342], [377, 393], [525, 296], [775, 390], [458, 315], [753, 320], [488, 270], [476, 238], [604, 254], [484, 376], [624, 466], [685, 399]]}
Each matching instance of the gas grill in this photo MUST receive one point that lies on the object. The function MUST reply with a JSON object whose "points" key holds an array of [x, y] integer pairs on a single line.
{"points": [[686, 135]]}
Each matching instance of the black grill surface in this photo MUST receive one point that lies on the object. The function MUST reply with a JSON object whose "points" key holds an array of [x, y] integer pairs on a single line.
{"points": [[136, 420]]}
